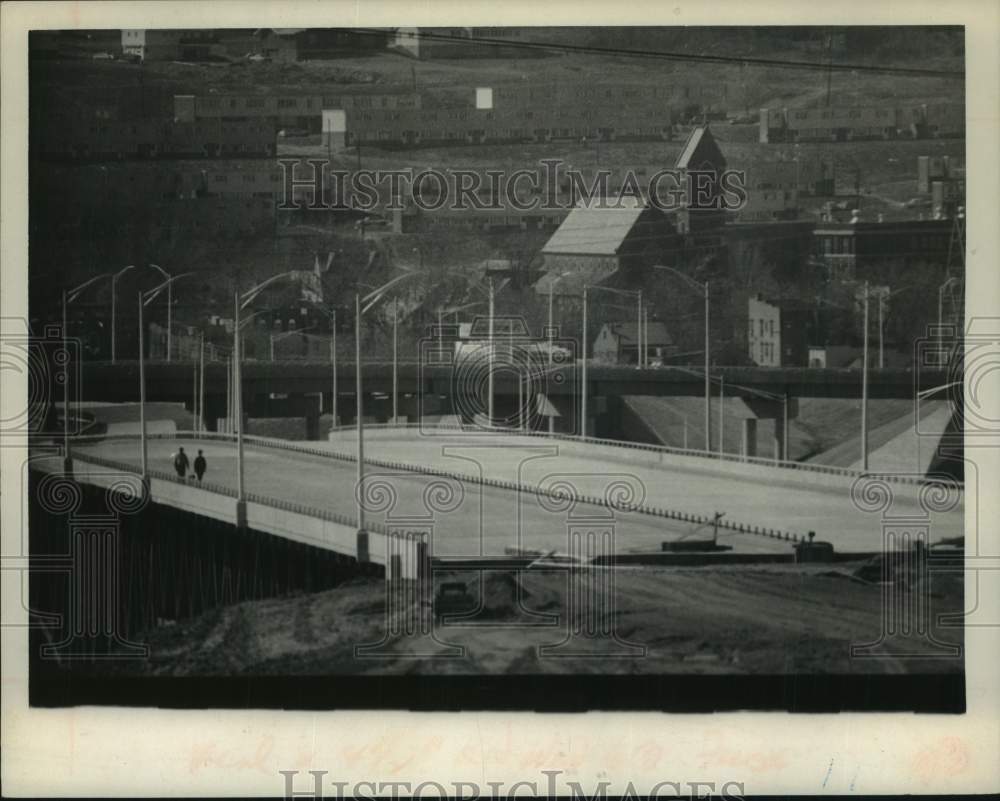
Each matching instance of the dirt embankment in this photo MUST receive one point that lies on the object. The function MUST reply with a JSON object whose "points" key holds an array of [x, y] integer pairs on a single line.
{"points": [[765, 619]]}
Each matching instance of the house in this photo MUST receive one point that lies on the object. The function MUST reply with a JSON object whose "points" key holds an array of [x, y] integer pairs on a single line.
{"points": [[171, 45], [778, 331], [617, 343], [600, 237], [860, 248]]}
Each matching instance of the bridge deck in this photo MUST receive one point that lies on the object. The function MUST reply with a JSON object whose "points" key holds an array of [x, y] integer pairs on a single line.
{"points": [[488, 519]]}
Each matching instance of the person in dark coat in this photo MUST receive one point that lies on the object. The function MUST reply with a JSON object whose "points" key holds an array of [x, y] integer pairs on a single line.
{"points": [[181, 463], [199, 465]]}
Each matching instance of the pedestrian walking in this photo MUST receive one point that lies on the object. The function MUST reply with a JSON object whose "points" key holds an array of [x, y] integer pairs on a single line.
{"points": [[181, 463], [199, 465]]}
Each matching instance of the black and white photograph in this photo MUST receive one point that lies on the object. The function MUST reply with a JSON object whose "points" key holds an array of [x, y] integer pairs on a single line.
{"points": [[535, 368]]}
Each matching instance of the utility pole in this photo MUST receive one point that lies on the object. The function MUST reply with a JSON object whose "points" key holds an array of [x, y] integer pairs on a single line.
{"points": [[492, 356], [722, 413], [640, 360], [333, 365], [395, 350], [142, 394], [201, 385], [359, 412], [583, 388], [864, 390]]}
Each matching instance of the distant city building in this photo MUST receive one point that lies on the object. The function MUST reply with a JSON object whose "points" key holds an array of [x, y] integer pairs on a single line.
{"points": [[856, 249], [844, 124], [778, 331], [163, 44], [595, 242], [618, 343]]}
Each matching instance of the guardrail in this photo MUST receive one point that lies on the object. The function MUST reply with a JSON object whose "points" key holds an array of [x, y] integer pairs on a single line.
{"points": [[220, 489], [786, 464], [514, 486]]}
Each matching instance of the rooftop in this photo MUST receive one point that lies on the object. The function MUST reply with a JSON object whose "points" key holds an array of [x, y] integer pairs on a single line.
{"points": [[596, 229]]}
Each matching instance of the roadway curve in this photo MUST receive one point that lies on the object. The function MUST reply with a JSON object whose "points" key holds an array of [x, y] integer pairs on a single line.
{"points": [[488, 519]]}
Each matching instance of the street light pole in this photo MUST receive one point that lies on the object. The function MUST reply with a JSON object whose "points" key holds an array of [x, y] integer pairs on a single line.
{"points": [[640, 358], [333, 365], [395, 353], [67, 298], [583, 387], [201, 384], [722, 412], [370, 300], [67, 460], [142, 393], [114, 316], [864, 390], [238, 398], [940, 328], [708, 388], [881, 333], [552, 284], [492, 358], [359, 412]]}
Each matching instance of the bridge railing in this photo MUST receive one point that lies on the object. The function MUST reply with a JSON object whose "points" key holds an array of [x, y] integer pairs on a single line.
{"points": [[300, 447], [221, 489], [787, 464], [692, 518]]}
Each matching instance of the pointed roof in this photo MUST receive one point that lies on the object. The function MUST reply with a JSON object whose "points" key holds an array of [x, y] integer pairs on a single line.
{"points": [[597, 228], [700, 150]]}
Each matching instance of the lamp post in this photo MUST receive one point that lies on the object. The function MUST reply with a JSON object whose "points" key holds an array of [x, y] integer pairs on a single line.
{"points": [[370, 301], [395, 355], [170, 303], [722, 413], [68, 296], [552, 286], [489, 404], [703, 288], [241, 301], [583, 389], [142, 394], [864, 390], [640, 356], [114, 316], [941, 290]]}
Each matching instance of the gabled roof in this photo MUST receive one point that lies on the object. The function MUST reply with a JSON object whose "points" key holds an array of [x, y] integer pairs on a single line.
{"points": [[596, 229], [700, 148]]}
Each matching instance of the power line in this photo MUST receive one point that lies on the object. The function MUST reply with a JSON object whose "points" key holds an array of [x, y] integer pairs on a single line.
{"points": [[664, 55]]}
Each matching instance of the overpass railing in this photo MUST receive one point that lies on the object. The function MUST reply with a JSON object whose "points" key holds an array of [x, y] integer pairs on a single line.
{"points": [[786, 464], [606, 501], [300, 447], [221, 489]]}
